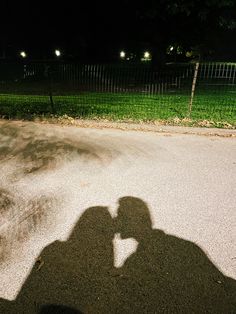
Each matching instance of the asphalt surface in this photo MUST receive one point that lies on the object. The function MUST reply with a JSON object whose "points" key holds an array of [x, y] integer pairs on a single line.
{"points": [[107, 221]]}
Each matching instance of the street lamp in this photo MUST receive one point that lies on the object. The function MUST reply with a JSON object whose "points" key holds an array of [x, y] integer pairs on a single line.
{"points": [[122, 54], [23, 54], [146, 55], [57, 53]]}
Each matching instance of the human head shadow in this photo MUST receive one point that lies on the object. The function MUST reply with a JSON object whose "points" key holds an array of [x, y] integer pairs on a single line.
{"points": [[74, 274], [166, 274]]}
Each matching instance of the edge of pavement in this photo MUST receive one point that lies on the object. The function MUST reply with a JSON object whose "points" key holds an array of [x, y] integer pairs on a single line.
{"points": [[129, 126]]}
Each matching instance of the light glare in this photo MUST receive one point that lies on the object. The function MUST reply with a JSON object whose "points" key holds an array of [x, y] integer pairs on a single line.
{"points": [[122, 54], [57, 53], [23, 54]]}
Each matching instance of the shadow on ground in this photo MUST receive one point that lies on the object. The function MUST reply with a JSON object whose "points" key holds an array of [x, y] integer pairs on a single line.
{"points": [[165, 275], [41, 151]]}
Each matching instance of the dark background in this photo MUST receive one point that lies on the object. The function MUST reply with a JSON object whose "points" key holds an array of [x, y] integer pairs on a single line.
{"points": [[97, 32]]}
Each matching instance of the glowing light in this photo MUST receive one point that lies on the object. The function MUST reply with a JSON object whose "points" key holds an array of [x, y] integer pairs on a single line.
{"points": [[146, 55], [57, 53], [23, 54], [122, 54], [171, 48]]}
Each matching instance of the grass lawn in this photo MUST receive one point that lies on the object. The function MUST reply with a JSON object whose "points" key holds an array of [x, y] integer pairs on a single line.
{"points": [[217, 106]]}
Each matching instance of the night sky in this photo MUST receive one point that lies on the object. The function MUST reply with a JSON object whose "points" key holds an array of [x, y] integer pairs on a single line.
{"points": [[97, 32]]}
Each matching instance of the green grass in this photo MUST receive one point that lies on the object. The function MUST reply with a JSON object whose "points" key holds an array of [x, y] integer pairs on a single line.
{"points": [[214, 106]]}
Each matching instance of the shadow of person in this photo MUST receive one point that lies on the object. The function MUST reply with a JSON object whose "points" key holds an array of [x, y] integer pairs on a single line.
{"points": [[74, 275], [167, 274]]}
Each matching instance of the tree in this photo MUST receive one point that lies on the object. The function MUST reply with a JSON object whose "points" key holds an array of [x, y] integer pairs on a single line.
{"points": [[189, 22]]}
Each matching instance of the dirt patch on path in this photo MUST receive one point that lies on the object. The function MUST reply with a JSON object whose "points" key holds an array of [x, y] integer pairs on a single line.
{"points": [[27, 152]]}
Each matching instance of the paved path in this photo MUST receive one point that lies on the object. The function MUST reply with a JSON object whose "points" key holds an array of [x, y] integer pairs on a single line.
{"points": [[51, 174]]}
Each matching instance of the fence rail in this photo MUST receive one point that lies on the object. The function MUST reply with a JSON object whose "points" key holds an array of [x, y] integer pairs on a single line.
{"points": [[122, 90]]}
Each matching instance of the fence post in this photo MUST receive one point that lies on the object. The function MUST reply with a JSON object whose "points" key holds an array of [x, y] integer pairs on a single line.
{"points": [[48, 75], [193, 88]]}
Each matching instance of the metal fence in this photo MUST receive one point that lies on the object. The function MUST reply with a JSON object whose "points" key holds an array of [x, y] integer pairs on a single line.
{"points": [[120, 90]]}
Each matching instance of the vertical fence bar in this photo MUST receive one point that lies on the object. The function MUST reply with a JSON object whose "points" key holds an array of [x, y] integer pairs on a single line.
{"points": [[230, 73], [234, 72]]}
